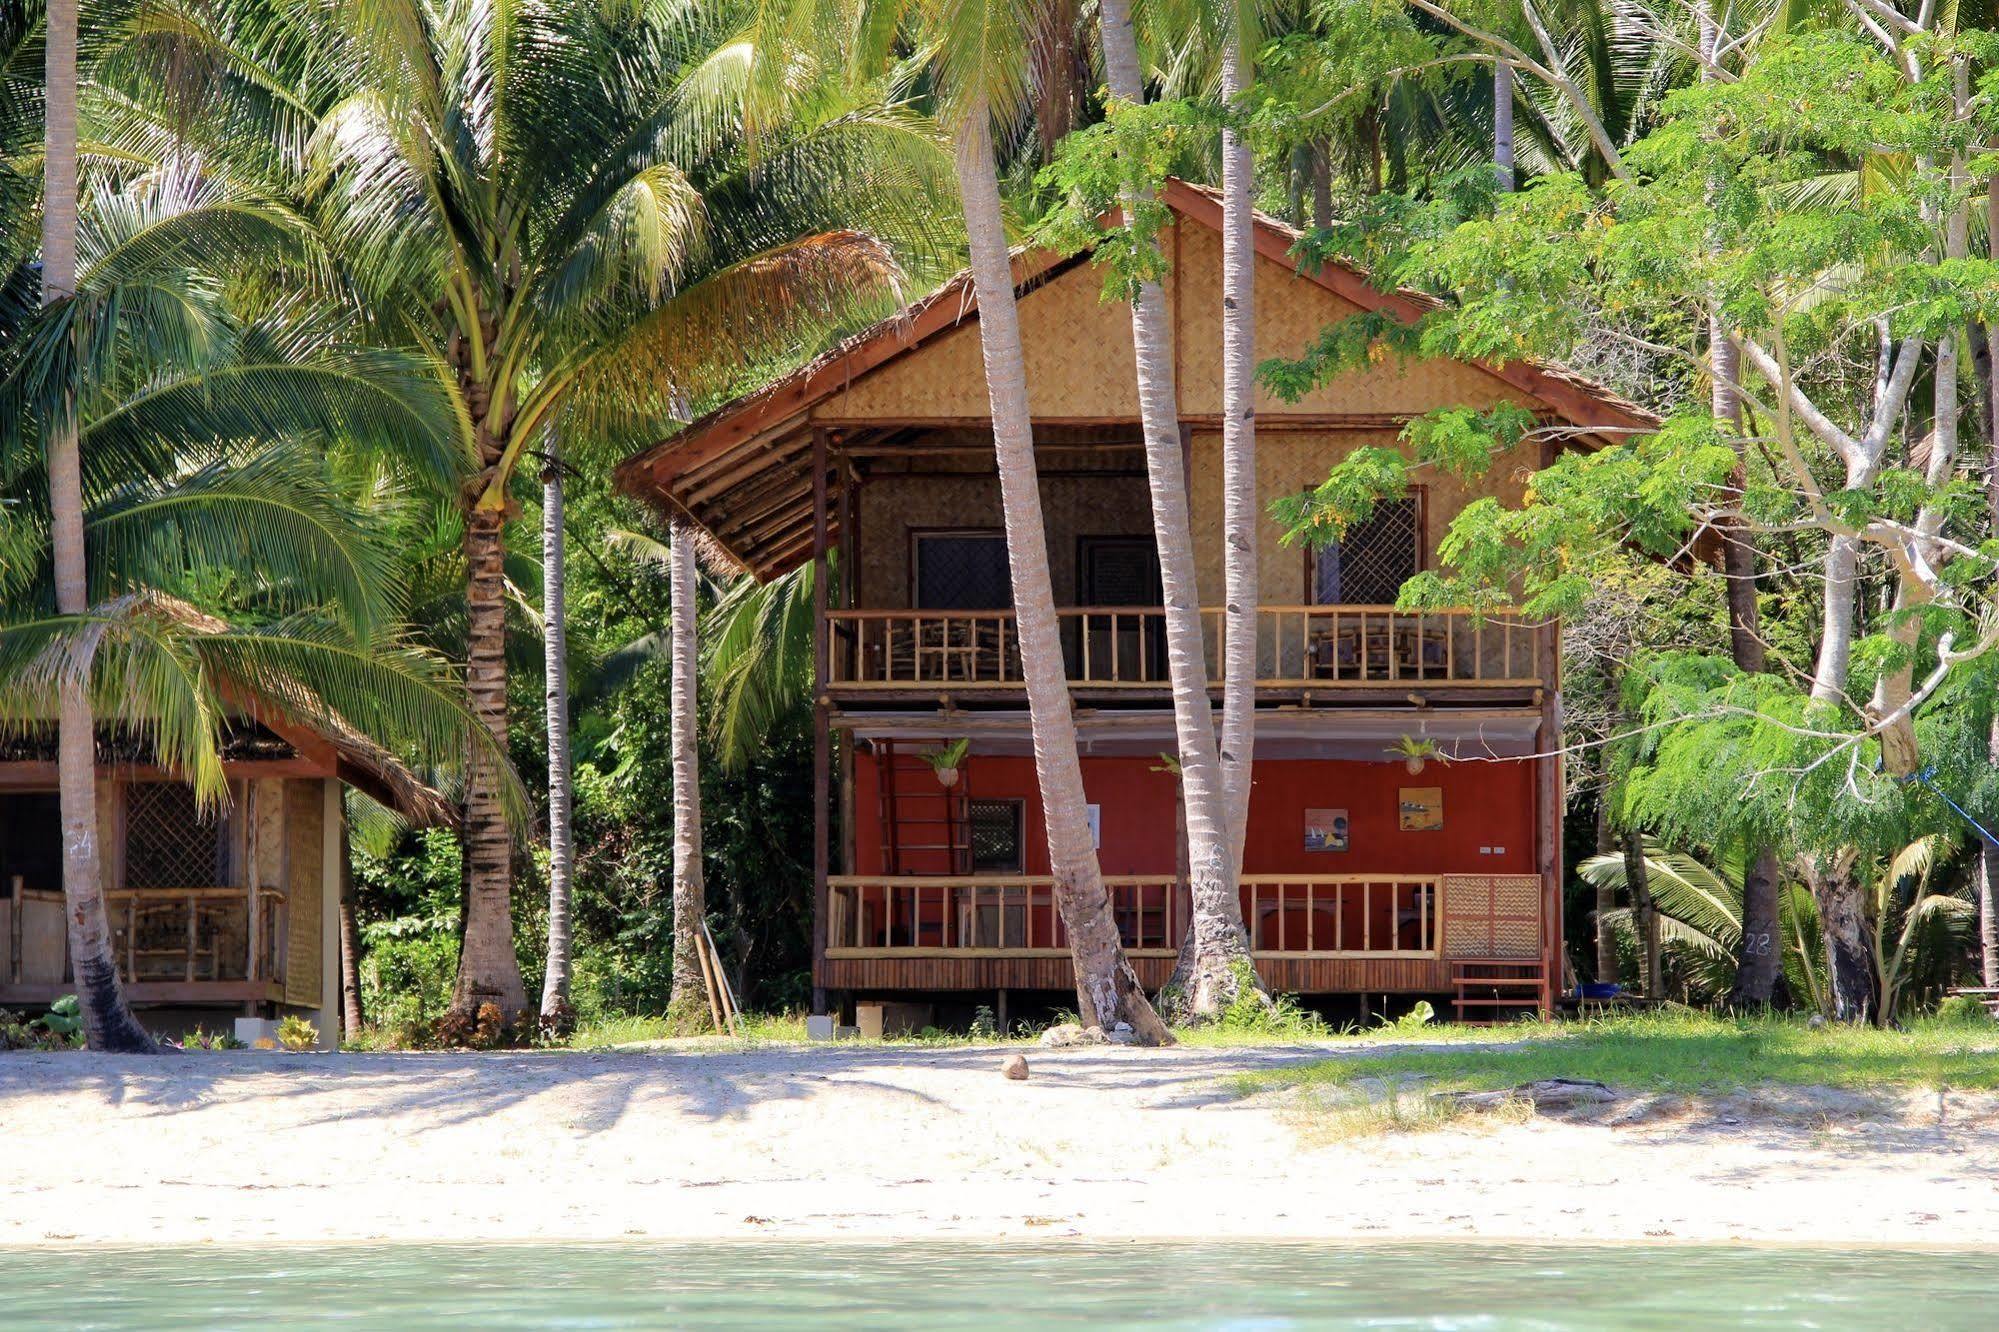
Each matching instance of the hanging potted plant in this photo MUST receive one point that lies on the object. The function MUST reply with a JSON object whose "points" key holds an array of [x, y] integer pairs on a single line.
{"points": [[1414, 752], [945, 762]]}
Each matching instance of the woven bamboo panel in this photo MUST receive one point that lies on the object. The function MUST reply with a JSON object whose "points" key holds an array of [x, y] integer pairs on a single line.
{"points": [[1080, 364], [892, 506], [1077, 349], [305, 817], [1492, 916], [1290, 312]]}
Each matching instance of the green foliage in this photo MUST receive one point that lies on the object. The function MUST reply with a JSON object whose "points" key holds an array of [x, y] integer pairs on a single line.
{"points": [[1676, 1051], [296, 1033], [1105, 180], [1962, 1010]]}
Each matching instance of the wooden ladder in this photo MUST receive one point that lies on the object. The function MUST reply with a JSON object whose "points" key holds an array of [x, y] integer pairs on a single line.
{"points": [[938, 818], [1493, 990]]}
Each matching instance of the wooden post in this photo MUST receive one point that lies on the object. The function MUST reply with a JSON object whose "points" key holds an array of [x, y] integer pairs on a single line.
{"points": [[254, 931], [14, 932], [821, 747], [1548, 818]]}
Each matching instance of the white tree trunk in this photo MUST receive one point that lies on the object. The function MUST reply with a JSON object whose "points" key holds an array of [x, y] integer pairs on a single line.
{"points": [[1215, 954], [556, 1012], [1502, 125], [688, 1005], [107, 1018], [1241, 513], [1107, 990]]}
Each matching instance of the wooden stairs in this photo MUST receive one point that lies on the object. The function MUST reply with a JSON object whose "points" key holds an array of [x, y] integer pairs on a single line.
{"points": [[1488, 991]]}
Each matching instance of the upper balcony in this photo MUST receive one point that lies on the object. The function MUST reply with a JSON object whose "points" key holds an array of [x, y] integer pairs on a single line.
{"points": [[1301, 649]]}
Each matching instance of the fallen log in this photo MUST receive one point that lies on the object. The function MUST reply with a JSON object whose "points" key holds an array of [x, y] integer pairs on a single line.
{"points": [[1544, 1094]]}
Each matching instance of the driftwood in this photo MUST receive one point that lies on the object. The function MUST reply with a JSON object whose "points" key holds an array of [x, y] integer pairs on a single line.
{"points": [[1546, 1094]]}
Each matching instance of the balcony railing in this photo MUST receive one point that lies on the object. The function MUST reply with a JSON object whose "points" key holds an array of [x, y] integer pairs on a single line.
{"points": [[1114, 647], [1327, 915], [196, 934]]}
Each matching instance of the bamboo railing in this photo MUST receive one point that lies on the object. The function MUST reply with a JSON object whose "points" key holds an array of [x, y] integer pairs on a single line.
{"points": [[196, 934], [1323, 915], [1308, 647]]}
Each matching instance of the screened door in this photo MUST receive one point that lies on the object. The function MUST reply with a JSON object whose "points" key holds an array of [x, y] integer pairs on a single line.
{"points": [[1115, 572]]}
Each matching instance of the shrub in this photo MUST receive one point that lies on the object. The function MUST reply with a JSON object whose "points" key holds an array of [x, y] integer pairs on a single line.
{"points": [[295, 1033], [1961, 1010]]}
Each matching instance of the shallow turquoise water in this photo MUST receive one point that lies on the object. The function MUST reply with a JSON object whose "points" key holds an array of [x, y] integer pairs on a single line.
{"points": [[964, 1284]]}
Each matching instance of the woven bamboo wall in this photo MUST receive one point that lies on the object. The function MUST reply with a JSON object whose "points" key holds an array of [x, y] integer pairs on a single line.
{"points": [[1080, 363], [304, 819], [892, 506], [1290, 312], [1492, 916], [1077, 349], [1288, 461]]}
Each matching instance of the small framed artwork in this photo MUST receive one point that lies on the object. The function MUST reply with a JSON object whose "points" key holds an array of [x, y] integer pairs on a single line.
{"points": [[1326, 830], [1420, 808], [1097, 826]]}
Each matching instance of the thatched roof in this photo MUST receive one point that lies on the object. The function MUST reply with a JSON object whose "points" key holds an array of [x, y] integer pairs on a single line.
{"points": [[263, 725]]}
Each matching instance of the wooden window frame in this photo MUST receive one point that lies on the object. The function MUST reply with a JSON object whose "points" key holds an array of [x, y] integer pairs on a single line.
{"points": [[914, 578], [1418, 493], [1019, 808], [1083, 543]]}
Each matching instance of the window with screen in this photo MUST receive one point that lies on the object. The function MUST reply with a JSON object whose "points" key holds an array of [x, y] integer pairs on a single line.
{"points": [[1369, 565], [170, 842], [962, 571], [996, 835]]}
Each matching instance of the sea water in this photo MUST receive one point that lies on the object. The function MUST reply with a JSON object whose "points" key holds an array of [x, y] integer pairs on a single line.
{"points": [[969, 1283]]}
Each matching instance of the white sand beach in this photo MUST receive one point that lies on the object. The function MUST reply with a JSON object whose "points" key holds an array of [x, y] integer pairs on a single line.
{"points": [[883, 1141]]}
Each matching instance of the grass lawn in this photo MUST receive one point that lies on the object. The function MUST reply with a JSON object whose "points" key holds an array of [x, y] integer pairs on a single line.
{"points": [[1679, 1052]]}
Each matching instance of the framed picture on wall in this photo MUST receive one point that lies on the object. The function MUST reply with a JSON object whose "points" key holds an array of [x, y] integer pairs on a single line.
{"points": [[1097, 826], [1420, 808], [1326, 830]]}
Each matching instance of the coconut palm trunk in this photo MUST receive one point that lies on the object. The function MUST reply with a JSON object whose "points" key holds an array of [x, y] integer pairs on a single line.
{"points": [[108, 1022], [1214, 957], [1241, 518], [688, 1004], [489, 972], [353, 1014], [1988, 851], [1502, 125], [1107, 990], [556, 1013]]}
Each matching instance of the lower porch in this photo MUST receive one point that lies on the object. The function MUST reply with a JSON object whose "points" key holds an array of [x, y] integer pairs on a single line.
{"points": [[1478, 937]]}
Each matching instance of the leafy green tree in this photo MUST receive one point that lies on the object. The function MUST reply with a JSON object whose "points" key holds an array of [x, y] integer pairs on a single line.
{"points": [[1836, 303]]}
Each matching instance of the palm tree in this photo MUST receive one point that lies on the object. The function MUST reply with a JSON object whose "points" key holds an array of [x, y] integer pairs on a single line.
{"points": [[556, 1013], [107, 1019], [977, 50], [216, 461], [578, 208], [1107, 990], [1242, 512], [687, 1005], [1915, 933], [1211, 961]]}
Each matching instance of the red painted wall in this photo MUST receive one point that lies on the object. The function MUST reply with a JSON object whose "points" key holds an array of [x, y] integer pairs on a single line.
{"points": [[1485, 805]]}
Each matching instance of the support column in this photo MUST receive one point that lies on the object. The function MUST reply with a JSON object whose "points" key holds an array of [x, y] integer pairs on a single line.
{"points": [[1549, 789], [821, 746]]}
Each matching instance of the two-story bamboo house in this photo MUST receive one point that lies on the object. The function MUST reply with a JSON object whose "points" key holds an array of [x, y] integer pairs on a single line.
{"points": [[1362, 874]]}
